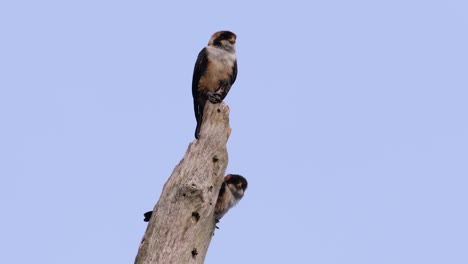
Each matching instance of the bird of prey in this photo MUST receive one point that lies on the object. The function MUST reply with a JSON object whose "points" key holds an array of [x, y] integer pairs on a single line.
{"points": [[231, 192], [214, 73]]}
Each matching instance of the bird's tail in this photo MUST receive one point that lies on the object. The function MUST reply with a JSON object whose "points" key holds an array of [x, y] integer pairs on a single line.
{"points": [[197, 130], [198, 108], [148, 216]]}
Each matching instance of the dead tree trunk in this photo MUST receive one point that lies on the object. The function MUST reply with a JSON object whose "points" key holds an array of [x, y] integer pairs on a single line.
{"points": [[182, 224]]}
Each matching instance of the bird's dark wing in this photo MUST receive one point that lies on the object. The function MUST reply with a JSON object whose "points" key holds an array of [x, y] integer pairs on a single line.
{"points": [[198, 71], [234, 73], [198, 99], [222, 190]]}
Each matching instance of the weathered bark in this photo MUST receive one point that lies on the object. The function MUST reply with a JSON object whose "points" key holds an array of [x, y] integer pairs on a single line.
{"points": [[182, 224]]}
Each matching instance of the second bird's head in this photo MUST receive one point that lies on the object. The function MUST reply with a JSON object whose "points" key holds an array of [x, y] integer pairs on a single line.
{"points": [[237, 184]]}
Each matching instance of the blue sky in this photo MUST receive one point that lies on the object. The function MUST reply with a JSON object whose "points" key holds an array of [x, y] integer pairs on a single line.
{"points": [[349, 119]]}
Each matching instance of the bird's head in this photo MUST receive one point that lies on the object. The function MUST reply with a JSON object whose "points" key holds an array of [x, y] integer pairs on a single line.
{"points": [[224, 39], [237, 184]]}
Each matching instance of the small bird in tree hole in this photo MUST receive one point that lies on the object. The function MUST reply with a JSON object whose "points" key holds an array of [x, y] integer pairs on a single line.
{"points": [[214, 73], [231, 192], [147, 216]]}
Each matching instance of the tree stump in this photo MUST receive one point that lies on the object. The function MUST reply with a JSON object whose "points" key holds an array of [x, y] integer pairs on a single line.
{"points": [[182, 223]]}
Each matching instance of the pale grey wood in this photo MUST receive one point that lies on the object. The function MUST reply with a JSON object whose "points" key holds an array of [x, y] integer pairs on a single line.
{"points": [[182, 224]]}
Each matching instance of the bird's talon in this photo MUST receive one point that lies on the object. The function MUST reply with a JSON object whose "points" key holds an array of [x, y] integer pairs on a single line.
{"points": [[214, 98]]}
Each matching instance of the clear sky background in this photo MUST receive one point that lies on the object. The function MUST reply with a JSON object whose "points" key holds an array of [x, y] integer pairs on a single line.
{"points": [[349, 119]]}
